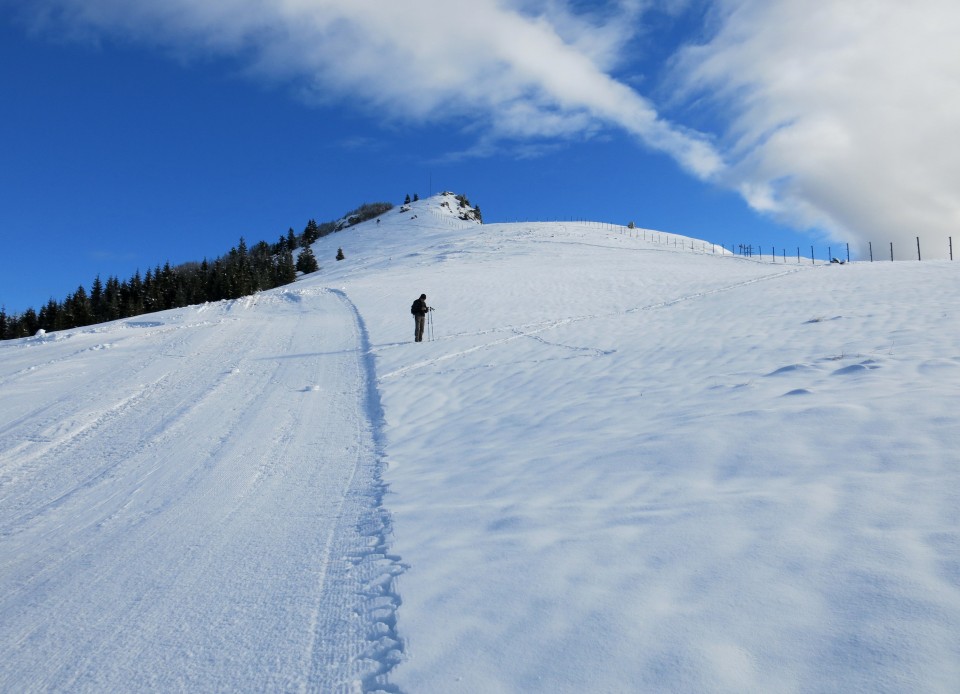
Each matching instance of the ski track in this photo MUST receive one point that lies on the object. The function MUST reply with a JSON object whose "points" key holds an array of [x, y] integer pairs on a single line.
{"points": [[159, 540], [531, 330]]}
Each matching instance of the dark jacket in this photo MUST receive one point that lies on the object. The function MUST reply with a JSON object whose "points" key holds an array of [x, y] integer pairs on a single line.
{"points": [[419, 307]]}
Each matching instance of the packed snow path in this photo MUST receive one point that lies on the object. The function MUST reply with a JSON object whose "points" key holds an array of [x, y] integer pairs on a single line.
{"points": [[217, 526]]}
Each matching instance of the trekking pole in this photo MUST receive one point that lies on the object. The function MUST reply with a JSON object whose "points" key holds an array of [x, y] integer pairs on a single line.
{"points": [[430, 325]]}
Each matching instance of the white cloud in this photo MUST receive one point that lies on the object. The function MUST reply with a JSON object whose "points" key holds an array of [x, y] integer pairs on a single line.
{"points": [[840, 115], [521, 69], [836, 115]]}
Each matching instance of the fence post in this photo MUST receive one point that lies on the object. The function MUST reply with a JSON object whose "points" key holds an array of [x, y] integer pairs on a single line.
{"points": [[951, 247], [918, 248], [798, 254], [891, 251], [848, 252], [812, 261]]}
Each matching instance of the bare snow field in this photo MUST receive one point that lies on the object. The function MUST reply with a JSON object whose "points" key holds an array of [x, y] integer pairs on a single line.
{"points": [[627, 462]]}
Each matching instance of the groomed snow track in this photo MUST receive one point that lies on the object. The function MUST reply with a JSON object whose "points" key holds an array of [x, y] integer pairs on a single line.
{"points": [[207, 516]]}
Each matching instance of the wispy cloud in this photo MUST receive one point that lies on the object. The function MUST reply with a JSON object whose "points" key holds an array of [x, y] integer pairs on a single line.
{"points": [[839, 115], [519, 69]]}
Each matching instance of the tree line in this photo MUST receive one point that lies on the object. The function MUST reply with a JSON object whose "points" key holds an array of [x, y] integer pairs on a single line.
{"points": [[241, 272]]}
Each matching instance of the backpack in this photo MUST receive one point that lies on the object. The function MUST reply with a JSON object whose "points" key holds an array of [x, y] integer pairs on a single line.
{"points": [[413, 307]]}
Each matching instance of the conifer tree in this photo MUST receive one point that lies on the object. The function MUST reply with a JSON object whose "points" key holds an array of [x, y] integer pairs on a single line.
{"points": [[112, 298], [96, 300], [311, 233], [79, 308], [168, 286], [149, 289], [29, 324], [307, 261], [50, 316], [286, 271], [133, 299], [240, 272]]}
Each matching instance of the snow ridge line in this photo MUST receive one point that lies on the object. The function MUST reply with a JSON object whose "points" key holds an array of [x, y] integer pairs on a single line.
{"points": [[377, 568], [532, 329]]}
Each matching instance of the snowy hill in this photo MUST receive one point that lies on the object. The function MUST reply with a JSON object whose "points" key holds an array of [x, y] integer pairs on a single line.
{"points": [[626, 462]]}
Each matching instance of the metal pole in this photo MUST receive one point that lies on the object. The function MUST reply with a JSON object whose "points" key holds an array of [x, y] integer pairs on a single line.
{"points": [[848, 252], [871, 251], [951, 247], [812, 261], [918, 249], [891, 251]]}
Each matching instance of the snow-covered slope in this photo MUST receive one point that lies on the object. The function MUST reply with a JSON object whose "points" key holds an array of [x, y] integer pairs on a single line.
{"points": [[190, 501], [626, 462]]}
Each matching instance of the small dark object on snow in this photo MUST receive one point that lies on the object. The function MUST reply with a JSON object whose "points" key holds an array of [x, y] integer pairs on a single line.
{"points": [[340, 255]]}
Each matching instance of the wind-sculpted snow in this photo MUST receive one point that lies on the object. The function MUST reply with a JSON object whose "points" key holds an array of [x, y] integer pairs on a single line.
{"points": [[197, 508], [631, 466], [627, 462]]}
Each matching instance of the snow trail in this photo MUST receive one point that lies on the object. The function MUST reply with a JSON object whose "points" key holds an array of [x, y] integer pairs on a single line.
{"points": [[532, 330], [216, 526]]}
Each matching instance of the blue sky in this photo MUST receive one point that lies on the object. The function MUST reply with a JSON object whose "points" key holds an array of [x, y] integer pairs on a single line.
{"points": [[133, 136]]}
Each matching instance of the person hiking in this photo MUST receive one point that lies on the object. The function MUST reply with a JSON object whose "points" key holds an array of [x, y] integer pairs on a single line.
{"points": [[419, 311]]}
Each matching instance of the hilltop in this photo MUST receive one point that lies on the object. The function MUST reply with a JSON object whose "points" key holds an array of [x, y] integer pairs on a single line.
{"points": [[627, 461]]}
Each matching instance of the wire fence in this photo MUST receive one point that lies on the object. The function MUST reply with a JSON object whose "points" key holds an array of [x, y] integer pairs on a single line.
{"points": [[840, 253], [885, 252], [797, 254]]}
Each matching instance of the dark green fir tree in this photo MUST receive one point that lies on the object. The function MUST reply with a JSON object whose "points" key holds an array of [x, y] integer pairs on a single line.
{"points": [[307, 261]]}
